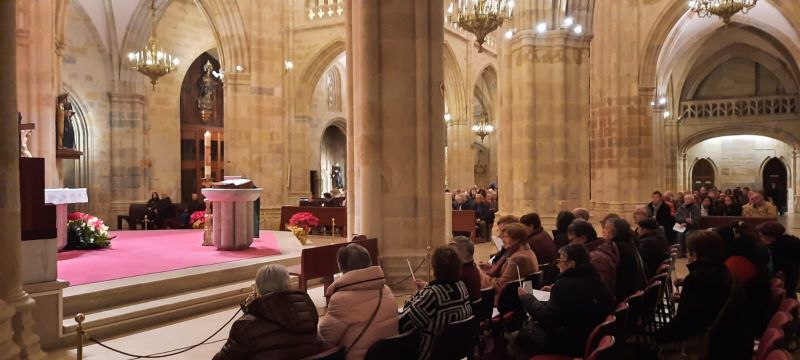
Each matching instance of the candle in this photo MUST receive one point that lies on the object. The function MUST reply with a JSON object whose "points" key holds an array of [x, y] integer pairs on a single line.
{"points": [[207, 143]]}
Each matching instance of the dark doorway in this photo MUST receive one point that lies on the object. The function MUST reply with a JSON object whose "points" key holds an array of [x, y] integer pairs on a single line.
{"points": [[702, 175], [776, 183]]}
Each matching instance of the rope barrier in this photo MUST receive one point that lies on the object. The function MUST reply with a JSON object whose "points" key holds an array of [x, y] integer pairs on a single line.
{"points": [[409, 275], [82, 334]]}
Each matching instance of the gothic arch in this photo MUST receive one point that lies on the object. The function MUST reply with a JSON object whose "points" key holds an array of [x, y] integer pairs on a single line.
{"points": [[727, 130], [668, 19], [226, 23], [704, 68], [488, 75], [783, 161], [690, 172], [314, 71], [455, 90]]}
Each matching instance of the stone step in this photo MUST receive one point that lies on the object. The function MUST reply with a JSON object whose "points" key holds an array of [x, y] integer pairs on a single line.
{"points": [[123, 292]]}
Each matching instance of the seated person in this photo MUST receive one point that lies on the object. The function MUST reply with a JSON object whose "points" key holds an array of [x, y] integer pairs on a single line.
{"points": [[152, 210], [278, 324], [631, 273], [518, 260], [470, 274], [579, 301], [164, 210], [560, 236], [603, 255], [484, 218], [359, 293], [758, 207], [653, 245], [194, 205], [446, 294], [501, 226], [710, 297], [784, 251], [539, 240]]}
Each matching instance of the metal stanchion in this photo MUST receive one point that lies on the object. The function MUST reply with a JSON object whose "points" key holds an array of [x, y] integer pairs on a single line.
{"points": [[79, 332]]}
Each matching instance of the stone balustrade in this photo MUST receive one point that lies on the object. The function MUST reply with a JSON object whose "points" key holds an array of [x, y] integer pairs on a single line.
{"points": [[740, 107], [321, 9]]}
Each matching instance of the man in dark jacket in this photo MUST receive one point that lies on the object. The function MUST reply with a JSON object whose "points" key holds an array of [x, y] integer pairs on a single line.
{"points": [[687, 215], [652, 245], [579, 301], [784, 251], [660, 211], [484, 217], [539, 240], [279, 324], [711, 299]]}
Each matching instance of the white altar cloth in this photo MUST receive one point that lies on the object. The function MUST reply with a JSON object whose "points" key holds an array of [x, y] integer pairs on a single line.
{"points": [[61, 198], [65, 196]]}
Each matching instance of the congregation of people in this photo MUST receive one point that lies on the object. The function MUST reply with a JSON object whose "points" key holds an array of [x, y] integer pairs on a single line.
{"points": [[727, 298], [162, 213]]}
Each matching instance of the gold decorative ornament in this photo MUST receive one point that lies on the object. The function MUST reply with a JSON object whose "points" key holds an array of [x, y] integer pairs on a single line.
{"points": [[480, 17], [725, 9], [153, 61]]}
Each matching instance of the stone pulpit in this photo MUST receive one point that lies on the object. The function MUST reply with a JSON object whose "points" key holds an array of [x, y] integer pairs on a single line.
{"points": [[233, 212]]}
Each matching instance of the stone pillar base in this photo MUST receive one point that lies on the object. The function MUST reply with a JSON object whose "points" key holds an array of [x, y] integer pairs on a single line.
{"points": [[23, 326], [395, 269], [49, 315], [8, 349]]}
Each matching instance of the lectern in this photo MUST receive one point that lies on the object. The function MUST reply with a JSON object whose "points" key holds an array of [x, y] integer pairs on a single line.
{"points": [[233, 213]]}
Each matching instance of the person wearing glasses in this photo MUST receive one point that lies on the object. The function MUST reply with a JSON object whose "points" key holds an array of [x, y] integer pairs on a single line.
{"points": [[579, 301]]}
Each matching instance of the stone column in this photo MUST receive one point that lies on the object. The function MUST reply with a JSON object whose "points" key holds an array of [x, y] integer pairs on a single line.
{"points": [[543, 132], [623, 161], [130, 168], [395, 64], [17, 339], [460, 155]]}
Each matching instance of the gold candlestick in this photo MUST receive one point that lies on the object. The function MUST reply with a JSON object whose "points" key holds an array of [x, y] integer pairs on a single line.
{"points": [[333, 226]]}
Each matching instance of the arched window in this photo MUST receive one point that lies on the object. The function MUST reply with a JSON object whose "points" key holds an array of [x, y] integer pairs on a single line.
{"points": [[333, 84]]}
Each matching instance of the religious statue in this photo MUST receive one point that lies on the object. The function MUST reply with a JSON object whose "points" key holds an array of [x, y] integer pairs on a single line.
{"points": [[208, 86], [65, 134], [336, 177], [23, 149]]}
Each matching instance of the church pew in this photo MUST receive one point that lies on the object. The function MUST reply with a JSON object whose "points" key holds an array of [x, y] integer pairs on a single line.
{"points": [[312, 202], [326, 216], [715, 221], [317, 262], [464, 221], [371, 245]]}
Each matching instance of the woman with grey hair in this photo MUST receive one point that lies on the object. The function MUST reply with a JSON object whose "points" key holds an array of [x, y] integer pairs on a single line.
{"points": [[362, 309], [278, 324]]}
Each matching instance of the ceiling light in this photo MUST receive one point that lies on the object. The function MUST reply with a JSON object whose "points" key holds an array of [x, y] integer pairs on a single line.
{"points": [[541, 28]]}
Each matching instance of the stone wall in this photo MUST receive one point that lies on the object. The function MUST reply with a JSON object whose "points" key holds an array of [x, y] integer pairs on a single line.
{"points": [[86, 76], [738, 159]]}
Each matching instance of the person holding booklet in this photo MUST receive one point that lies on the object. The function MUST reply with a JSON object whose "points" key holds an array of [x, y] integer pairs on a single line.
{"points": [[579, 301]]}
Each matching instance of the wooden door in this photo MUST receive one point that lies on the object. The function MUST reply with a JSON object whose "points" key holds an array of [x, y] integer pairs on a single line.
{"points": [[702, 175], [776, 183]]}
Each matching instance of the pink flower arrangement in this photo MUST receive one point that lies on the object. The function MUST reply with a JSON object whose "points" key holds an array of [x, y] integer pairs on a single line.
{"points": [[304, 220], [198, 219], [86, 231]]}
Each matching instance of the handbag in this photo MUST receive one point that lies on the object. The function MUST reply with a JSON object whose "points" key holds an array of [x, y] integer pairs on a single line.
{"points": [[532, 336]]}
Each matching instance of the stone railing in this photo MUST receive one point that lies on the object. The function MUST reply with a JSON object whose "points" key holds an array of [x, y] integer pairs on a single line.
{"points": [[743, 107], [324, 9]]}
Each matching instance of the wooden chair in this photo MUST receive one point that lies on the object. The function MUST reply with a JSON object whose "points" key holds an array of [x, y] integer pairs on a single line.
{"points": [[632, 324], [456, 341], [779, 355], [464, 221], [399, 347], [603, 350], [770, 341], [783, 321], [621, 316], [650, 298], [792, 307], [317, 262], [536, 279]]}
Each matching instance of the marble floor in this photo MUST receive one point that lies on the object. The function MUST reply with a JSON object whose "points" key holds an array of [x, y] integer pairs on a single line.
{"points": [[191, 331]]}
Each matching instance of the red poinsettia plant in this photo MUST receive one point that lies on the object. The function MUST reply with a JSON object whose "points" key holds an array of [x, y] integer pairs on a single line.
{"points": [[198, 219], [304, 220]]}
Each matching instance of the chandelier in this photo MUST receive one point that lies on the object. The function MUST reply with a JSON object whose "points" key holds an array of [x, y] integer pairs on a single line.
{"points": [[483, 129], [480, 17], [722, 8], [152, 61]]}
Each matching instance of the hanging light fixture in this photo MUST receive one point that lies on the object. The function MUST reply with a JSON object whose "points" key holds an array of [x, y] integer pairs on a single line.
{"points": [[725, 9], [480, 17], [153, 61], [483, 128]]}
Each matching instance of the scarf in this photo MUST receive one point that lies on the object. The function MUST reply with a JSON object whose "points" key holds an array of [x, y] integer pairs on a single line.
{"points": [[497, 269]]}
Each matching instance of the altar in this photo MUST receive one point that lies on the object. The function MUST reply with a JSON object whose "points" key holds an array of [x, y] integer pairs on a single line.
{"points": [[233, 213], [61, 198]]}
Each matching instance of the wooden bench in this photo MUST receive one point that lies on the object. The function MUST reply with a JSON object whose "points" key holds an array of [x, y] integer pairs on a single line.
{"points": [[715, 221], [317, 262], [371, 245], [326, 215], [464, 221], [134, 218]]}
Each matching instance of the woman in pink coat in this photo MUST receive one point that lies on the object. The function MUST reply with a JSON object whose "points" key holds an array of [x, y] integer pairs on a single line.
{"points": [[362, 309]]}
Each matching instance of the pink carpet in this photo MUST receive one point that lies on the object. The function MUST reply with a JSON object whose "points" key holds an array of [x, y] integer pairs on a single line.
{"points": [[134, 253]]}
